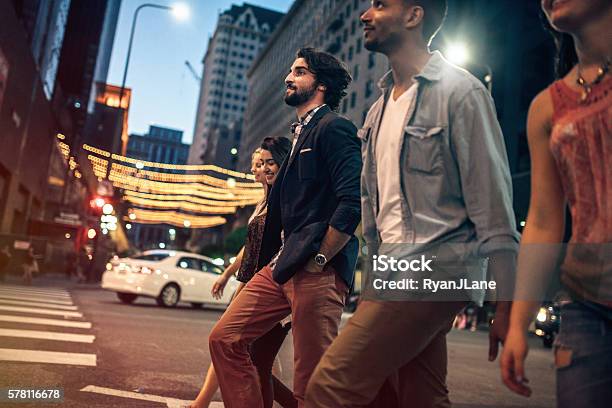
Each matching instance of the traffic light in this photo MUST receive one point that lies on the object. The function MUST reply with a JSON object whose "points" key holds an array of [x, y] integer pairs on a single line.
{"points": [[97, 203]]}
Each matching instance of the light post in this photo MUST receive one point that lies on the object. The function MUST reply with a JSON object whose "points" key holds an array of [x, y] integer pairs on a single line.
{"points": [[180, 12], [458, 54]]}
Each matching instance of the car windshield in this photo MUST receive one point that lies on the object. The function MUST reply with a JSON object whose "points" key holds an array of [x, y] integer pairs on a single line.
{"points": [[151, 257]]}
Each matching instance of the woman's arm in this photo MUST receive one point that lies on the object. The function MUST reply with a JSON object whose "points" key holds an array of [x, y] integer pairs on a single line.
{"points": [[540, 244], [545, 226], [217, 289]]}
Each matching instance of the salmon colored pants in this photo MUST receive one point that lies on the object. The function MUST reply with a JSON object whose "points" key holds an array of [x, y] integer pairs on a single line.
{"points": [[314, 301]]}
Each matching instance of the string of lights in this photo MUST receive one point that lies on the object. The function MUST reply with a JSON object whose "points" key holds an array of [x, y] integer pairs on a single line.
{"points": [[227, 191], [180, 205], [184, 178], [148, 186], [139, 216], [179, 195], [196, 200], [186, 167]]}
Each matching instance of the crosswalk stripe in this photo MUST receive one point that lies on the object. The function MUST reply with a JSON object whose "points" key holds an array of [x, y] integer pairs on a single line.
{"points": [[169, 401], [38, 304], [35, 293], [36, 299], [51, 357], [34, 288], [43, 321], [40, 311], [35, 334]]}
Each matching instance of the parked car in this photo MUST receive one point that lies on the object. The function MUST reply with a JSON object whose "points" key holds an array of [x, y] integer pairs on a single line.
{"points": [[547, 323], [168, 276]]}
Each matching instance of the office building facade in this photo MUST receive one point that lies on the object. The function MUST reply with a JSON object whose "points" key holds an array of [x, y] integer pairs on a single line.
{"points": [[240, 34]]}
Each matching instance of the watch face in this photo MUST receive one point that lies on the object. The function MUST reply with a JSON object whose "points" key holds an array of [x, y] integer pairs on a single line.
{"points": [[320, 259]]}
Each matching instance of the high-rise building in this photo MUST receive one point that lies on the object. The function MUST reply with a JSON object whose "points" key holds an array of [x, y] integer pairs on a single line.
{"points": [[330, 25], [240, 34], [45, 23], [160, 144], [107, 125], [38, 183], [85, 57]]}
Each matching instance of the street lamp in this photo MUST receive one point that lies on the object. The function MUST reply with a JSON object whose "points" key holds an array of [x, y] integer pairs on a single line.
{"points": [[180, 12], [458, 54]]}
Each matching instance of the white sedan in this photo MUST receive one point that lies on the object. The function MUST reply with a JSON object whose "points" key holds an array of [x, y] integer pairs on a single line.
{"points": [[168, 276]]}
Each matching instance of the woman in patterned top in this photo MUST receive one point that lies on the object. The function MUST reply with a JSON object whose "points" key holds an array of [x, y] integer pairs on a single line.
{"points": [[265, 164], [570, 139]]}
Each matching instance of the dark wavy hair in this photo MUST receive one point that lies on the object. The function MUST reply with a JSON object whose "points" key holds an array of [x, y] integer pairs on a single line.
{"points": [[566, 57], [279, 147], [328, 71]]}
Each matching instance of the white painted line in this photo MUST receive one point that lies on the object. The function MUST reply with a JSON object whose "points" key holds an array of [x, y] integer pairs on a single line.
{"points": [[57, 290], [51, 357], [40, 311], [46, 322], [37, 299], [34, 334], [171, 402], [37, 296], [51, 291], [36, 293], [37, 304]]}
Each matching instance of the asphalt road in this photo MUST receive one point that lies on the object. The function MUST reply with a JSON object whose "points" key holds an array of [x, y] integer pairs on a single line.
{"points": [[142, 355]]}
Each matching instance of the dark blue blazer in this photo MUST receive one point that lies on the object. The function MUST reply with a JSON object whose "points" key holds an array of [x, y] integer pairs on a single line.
{"points": [[317, 186]]}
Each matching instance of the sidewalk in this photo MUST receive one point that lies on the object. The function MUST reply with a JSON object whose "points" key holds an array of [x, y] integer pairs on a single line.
{"points": [[51, 280]]}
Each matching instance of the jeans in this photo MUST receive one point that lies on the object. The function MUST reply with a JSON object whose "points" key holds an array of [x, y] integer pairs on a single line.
{"points": [[583, 356]]}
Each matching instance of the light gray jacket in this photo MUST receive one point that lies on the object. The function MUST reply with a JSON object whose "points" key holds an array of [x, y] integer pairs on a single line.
{"points": [[453, 170]]}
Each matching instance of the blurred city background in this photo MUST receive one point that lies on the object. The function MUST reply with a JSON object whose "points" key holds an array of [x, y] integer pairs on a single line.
{"points": [[128, 126]]}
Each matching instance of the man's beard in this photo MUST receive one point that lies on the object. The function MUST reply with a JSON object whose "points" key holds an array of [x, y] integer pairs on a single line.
{"points": [[299, 97]]}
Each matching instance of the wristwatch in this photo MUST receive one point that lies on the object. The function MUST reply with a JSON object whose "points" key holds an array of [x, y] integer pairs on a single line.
{"points": [[320, 259]]}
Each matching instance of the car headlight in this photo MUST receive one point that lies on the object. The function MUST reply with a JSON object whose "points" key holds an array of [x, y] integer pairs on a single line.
{"points": [[109, 266], [542, 315]]}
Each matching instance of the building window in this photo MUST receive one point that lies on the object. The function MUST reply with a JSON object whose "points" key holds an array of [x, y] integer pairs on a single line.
{"points": [[356, 72], [344, 105], [371, 60], [353, 26], [350, 53], [368, 88], [353, 99]]}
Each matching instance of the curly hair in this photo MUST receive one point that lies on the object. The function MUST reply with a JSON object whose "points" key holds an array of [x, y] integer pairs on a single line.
{"points": [[329, 72]]}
